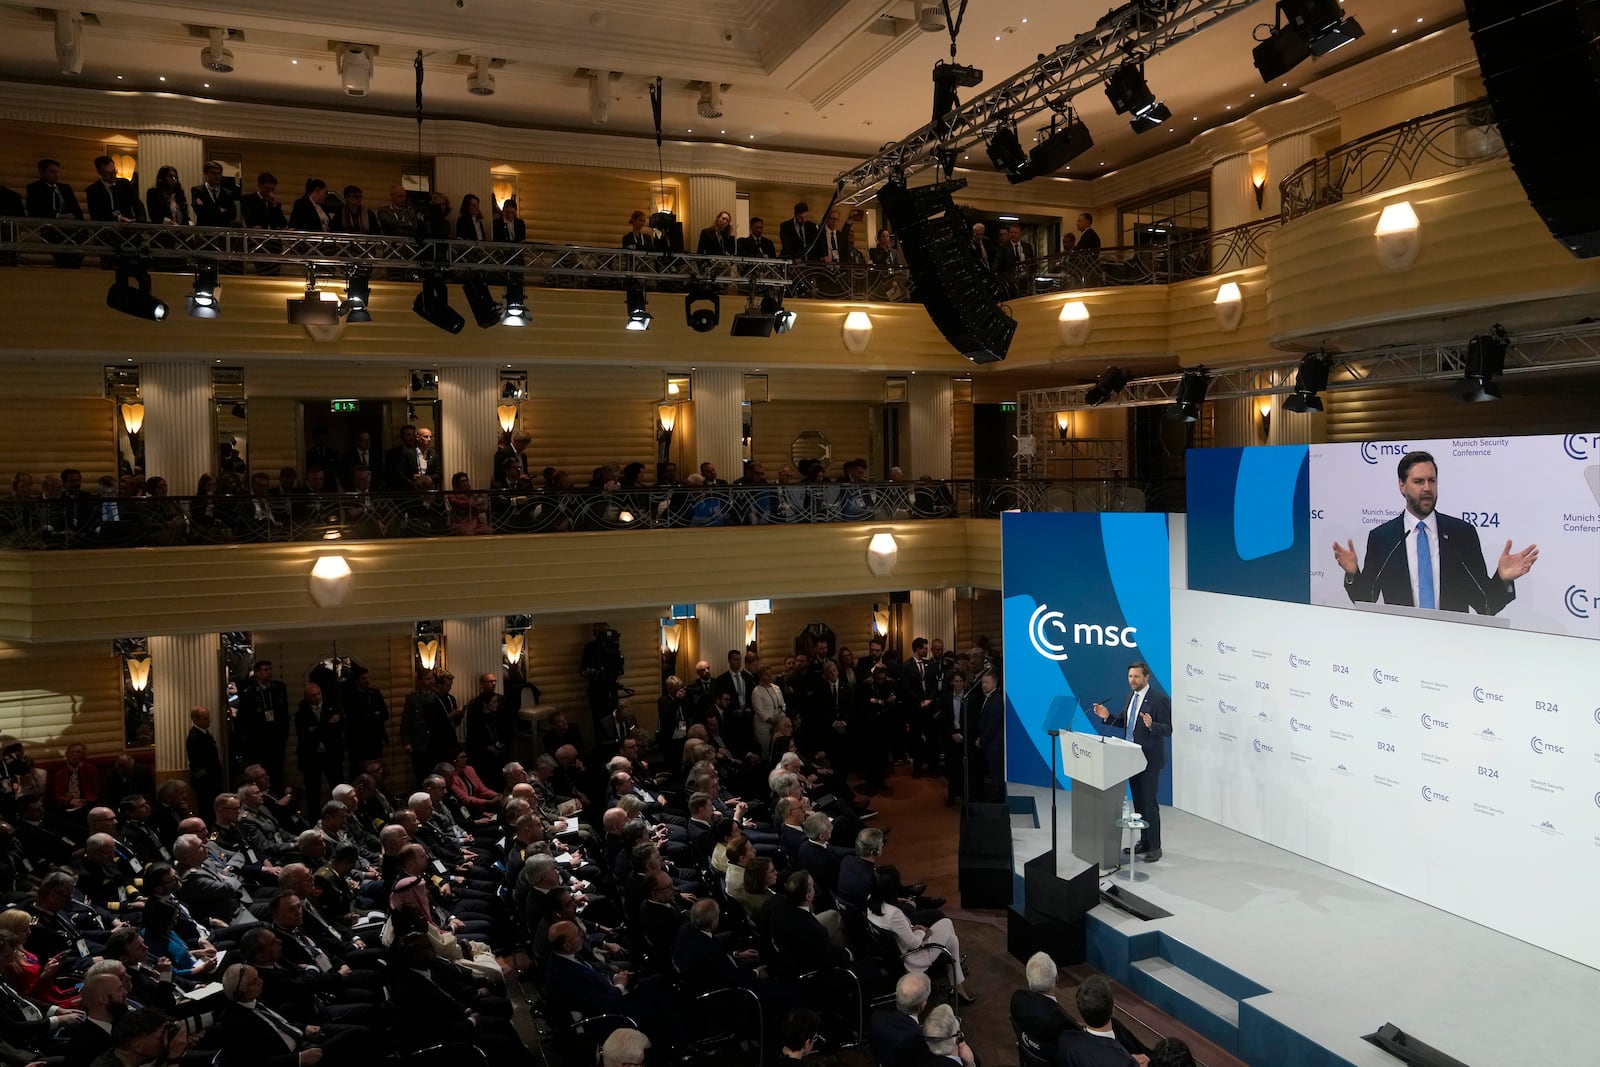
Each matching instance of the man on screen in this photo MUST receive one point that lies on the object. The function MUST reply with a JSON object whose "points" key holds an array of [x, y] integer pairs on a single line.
{"points": [[1150, 716], [1442, 560]]}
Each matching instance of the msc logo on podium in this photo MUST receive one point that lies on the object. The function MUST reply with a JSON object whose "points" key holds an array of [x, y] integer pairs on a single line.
{"points": [[1080, 752], [1047, 632]]}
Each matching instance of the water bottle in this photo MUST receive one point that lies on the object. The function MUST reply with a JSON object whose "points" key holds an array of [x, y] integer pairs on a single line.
{"points": [[1127, 809]]}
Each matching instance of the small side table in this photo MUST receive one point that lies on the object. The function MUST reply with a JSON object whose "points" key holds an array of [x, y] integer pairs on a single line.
{"points": [[1130, 828]]}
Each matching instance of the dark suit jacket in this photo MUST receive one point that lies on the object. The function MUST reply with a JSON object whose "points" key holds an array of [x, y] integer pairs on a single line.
{"points": [[42, 205], [573, 986], [253, 733], [466, 231], [159, 209], [702, 963], [205, 764], [1040, 1020], [823, 864], [854, 882], [208, 897], [260, 213], [714, 244], [896, 1038], [1463, 583], [992, 719], [105, 204], [1151, 738], [517, 232], [369, 220], [723, 683], [248, 1040], [312, 728], [88, 1042], [1079, 1048], [802, 943], [800, 242], [431, 1014], [223, 210], [756, 247], [643, 241], [303, 216], [1088, 241]]}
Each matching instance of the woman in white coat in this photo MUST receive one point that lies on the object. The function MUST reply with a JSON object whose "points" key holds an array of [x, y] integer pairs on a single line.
{"points": [[766, 702], [883, 911]]}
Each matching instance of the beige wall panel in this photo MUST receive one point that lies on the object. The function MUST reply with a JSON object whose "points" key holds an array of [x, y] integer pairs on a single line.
{"points": [[775, 204], [73, 147], [1482, 246], [579, 437], [981, 615], [39, 378], [1127, 322], [583, 206], [325, 381], [52, 697], [275, 435], [98, 594], [962, 441], [578, 383], [1403, 105], [1194, 333], [43, 438], [1529, 406], [983, 556], [786, 383], [375, 172], [850, 617], [848, 425]]}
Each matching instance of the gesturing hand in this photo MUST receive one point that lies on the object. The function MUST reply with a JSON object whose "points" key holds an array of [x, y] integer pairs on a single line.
{"points": [[1102, 711], [1514, 565], [1145, 715], [1345, 556]]}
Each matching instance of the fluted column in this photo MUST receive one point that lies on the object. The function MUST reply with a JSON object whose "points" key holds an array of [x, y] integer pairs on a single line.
{"points": [[473, 647], [929, 396], [719, 424], [933, 614], [177, 422], [1284, 155], [1233, 200], [185, 151], [469, 430], [456, 176], [721, 628], [708, 194], [184, 672]]}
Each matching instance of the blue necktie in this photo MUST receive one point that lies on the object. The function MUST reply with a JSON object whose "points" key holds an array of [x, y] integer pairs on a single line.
{"points": [[1133, 715], [1424, 568]]}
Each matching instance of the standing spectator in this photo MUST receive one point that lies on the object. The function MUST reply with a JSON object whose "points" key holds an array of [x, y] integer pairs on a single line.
{"points": [[425, 727], [112, 199], [508, 227], [396, 218], [717, 239], [260, 210], [366, 730], [437, 225], [214, 204], [165, 201], [310, 211], [319, 733], [403, 462], [51, 198], [1088, 240], [757, 246], [357, 218], [640, 238], [886, 253], [471, 225], [980, 244], [261, 724], [991, 735], [205, 764], [798, 235], [835, 244]]}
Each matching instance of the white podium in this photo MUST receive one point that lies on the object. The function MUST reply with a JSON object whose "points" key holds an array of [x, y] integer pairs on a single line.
{"points": [[1099, 768]]}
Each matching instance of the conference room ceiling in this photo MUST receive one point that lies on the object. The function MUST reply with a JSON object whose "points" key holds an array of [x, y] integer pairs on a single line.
{"points": [[834, 76]]}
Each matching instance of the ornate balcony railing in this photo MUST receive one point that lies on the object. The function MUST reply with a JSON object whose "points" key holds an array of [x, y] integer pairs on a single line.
{"points": [[1180, 259], [89, 521], [1410, 151]]}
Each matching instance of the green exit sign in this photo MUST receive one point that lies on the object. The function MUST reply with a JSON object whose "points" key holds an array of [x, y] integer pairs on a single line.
{"points": [[337, 406], [1005, 405]]}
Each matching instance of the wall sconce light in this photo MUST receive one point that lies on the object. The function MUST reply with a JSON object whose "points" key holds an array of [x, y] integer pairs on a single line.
{"points": [[1264, 409], [330, 581], [1229, 307], [749, 630], [1399, 239], [133, 417], [1074, 322], [880, 621], [857, 332], [671, 636], [882, 552], [1258, 180], [138, 673], [507, 413], [430, 644], [667, 416], [511, 648], [1063, 424]]}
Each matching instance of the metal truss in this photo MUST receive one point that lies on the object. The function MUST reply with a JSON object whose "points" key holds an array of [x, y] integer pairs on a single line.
{"points": [[1134, 31]]}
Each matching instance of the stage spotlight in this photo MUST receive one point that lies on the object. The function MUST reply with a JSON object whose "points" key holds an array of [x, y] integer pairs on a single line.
{"points": [[1130, 94], [316, 308], [1060, 145], [357, 295], [1150, 120], [1005, 152], [433, 305], [485, 312], [1106, 386], [203, 297], [516, 305], [1304, 28], [782, 321], [702, 308], [638, 318], [1309, 380], [947, 78], [1486, 358], [752, 322], [1191, 395], [131, 295]]}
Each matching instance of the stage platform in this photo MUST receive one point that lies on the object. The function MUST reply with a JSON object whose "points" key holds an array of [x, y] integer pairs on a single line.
{"points": [[1287, 962]]}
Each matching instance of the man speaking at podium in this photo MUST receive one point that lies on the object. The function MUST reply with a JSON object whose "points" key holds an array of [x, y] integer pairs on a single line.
{"points": [[1442, 560], [1147, 722]]}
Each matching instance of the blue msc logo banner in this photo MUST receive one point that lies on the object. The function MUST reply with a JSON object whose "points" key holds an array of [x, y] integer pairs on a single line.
{"points": [[1085, 596]]}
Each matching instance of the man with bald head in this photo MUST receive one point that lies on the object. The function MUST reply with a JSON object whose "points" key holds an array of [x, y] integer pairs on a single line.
{"points": [[103, 999], [205, 762], [102, 881], [319, 727], [574, 985]]}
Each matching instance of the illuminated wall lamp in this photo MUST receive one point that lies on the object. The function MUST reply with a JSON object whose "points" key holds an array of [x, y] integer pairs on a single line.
{"points": [[671, 636], [1229, 307], [880, 621], [428, 651], [1063, 424], [1264, 409], [511, 648], [1258, 181], [667, 415], [133, 417], [139, 673], [1398, 235], [882, 552], [507, 414], [330, 581], [1073, 322], [857, 332]]}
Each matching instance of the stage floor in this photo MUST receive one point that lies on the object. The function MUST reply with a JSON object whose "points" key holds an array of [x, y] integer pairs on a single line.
{"points": [[1342, 956]]}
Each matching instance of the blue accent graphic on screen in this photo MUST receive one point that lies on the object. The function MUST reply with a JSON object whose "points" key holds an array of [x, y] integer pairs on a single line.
{"points": [[1084, 596], [1249, 526]]}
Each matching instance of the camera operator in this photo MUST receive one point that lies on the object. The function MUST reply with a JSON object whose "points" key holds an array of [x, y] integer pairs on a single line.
{"points": [[602, 666]]}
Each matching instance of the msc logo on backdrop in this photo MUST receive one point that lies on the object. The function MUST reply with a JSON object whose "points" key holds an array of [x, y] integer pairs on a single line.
{"points": [[1223, 648], [1372, 451], [1298, 661], [1432, 795], [1225, 707], [1379, 677], [1597, 800], [1483, 696], [1336, 702], [1597, 716], [1581, 446], [1430, 723], [1296, 725], [1262, 746], [1045, 623], [1194, 672], [1541, 746], [1579, 603]]}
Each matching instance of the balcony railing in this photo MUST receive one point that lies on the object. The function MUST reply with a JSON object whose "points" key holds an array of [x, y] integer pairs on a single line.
{"points": [[1180, 259], [89, 521], [1410, 151]]}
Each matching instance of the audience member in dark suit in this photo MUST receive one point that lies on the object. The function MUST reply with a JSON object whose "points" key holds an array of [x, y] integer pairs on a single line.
{"points": [[165, 201], [254, 1035], [798, 235], [472, 224], [508, 226], [1096, 1045], [144, 1036], [802, 942], [1036, 1015], [356, 217], [319, 749], [1088, 241], [112, 199], [214, 203], [311, 211], [992, 736], [717, 239], [955, 727], [261, 209], [205, 763], [52, 198], [126, 776], [895, 1034], [261, 724], [756, 246], [640, 238]]}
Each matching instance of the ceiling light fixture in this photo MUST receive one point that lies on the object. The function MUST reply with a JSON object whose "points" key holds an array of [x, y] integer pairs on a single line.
{"points": [[355, 68], [357, 295], [1005, 152], [639, 318], [203, 297], [1303, 29], [481, 81], [1059, 145], [433, 305], [216, 56], [69, 42], [1130, 94], [709, 105], [782, 320]]}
